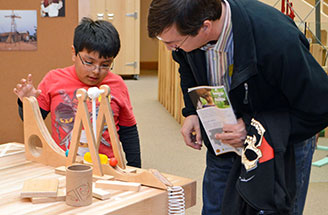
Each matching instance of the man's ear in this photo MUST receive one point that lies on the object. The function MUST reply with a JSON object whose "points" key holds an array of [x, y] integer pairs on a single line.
{"points": [[206, 25]]}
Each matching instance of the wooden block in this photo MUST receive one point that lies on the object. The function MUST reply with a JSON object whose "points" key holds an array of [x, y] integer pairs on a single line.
{"points": [[11, 149], [104, 177], [62, 181], [40, 188], [61, 170], [61, 196], [100, 193], [130, 169], [118, 185], [161, 177]]}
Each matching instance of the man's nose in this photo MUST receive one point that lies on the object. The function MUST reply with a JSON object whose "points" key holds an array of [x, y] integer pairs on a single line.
{"points": [[170, 47]]}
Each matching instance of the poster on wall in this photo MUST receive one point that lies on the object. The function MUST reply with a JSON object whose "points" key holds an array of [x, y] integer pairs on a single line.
{"points": [[18, 30], [52, 8]]}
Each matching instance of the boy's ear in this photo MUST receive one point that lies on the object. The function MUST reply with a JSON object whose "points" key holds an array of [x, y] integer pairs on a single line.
{"points": [[73, 54]]}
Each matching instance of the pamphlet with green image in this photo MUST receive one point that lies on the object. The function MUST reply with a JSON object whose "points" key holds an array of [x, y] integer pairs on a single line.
{"points": [[214, 110]]}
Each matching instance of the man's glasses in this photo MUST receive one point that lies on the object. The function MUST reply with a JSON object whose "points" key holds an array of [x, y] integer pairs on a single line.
{"points": [[92, 67], [177, 47]]}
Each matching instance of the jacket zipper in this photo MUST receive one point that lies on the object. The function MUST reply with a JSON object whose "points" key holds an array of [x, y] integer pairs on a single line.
{"points": [[246, 94]]}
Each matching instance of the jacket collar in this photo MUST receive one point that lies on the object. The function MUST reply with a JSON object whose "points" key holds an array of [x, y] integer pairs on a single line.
{"points": [[245, 59]]}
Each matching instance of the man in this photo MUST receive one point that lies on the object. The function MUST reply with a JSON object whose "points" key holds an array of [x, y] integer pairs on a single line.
{"points": [[277, 89], [96, 44]]}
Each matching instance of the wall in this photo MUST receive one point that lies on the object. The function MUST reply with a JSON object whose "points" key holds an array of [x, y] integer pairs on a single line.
{"points": [[148, 47], [55, 38]]}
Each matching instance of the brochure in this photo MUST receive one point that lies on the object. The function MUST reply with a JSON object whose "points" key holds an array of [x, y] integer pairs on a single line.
{"points": [[214, 109]]}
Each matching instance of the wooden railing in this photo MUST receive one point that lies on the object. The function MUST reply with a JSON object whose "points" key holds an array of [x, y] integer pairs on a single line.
{"points": [[169, 91], [324, 5]]}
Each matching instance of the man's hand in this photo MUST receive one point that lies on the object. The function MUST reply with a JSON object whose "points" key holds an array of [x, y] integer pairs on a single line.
{"points": [[233, 135], [191, 132], [25, 88]]}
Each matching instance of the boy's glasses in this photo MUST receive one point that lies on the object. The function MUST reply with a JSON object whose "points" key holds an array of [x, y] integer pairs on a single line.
{"points": [[91, 67]]}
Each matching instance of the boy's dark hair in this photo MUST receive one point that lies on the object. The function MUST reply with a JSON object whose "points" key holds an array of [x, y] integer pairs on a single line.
{"points": [[188, 15], [99, 36]]}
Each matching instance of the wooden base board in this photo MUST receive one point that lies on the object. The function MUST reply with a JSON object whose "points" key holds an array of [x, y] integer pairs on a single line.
{"points": [[149, 65]]}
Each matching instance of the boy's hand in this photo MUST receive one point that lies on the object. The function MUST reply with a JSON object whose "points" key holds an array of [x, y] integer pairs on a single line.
{"points": [[25, 88]]}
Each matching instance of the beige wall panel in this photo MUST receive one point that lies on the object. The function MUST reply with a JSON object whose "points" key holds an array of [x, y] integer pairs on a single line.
{"points": [[148, 46]]}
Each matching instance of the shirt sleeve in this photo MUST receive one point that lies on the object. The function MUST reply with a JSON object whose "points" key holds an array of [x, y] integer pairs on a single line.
{"points": [[187, 80], [129, 138], [44, 9], [60, 5]]}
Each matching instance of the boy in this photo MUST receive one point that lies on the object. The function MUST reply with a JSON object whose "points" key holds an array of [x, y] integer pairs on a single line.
{"points": [[96, 44]]}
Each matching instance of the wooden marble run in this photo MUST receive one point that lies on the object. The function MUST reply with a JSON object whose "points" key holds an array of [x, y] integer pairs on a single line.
{"points": [[40, 146]]}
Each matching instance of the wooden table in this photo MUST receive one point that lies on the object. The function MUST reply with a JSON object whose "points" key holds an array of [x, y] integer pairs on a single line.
{"points": [[15, 169]]}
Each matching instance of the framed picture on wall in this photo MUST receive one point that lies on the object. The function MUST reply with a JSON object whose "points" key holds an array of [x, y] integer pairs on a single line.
{"points": [[52, 8], [18, 30]]}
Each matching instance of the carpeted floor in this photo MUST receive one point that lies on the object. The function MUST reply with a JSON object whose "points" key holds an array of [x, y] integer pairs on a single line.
{"points": [[162, 146]]}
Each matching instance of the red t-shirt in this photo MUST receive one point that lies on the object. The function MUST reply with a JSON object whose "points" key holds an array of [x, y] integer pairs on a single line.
{"points": [[59, 97]]}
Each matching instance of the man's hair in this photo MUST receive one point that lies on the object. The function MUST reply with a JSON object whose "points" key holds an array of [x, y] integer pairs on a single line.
{"points": [[187, 15], [98, 36]]}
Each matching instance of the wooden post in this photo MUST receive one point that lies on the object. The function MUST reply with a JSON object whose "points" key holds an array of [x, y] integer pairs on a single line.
{"points": [[106, 113], [82, 117]]}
